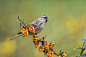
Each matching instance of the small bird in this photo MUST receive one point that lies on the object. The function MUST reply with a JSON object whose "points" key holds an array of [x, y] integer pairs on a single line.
{"points": [[38, 25]]}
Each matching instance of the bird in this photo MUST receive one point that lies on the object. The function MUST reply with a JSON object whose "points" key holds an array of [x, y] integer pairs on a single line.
{"points": [[38, 25]]}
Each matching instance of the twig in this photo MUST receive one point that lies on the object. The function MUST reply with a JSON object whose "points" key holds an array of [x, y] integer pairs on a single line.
{"points": [[21, 21], [55, 52], [82, 50]]}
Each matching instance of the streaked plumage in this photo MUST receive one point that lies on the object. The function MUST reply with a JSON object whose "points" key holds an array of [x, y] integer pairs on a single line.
{"points": [[39, 23]]}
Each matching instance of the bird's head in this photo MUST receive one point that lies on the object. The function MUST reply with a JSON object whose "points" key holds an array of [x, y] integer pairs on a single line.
{"points": [[45, 17]]}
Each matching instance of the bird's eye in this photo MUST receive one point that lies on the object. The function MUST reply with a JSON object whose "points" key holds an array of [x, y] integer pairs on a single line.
{"points": [[45, 17]]}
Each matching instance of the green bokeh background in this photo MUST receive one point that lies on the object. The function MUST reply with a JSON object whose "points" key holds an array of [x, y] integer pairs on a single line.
{"points": [[67, 26]]}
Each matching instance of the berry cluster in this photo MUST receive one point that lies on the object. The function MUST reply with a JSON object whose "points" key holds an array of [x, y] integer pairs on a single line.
{"points": [[63, 55], [35, 40], [25, 31], [45, 46]]}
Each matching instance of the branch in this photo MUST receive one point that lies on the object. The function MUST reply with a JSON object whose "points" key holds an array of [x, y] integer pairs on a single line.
{"points": [[21, 21], [82, 50], [50, 48], [55, 52]]}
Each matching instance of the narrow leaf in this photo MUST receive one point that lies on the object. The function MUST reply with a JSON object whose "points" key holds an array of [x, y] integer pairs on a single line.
{"points": [[77, 56], [84, 40], [45, 35], [42, 42], [85, 46], [23, 26], [60, 52], [24, 17], [20, 24], [84, 55], [44, 51], [66, 52], [77, 48]]}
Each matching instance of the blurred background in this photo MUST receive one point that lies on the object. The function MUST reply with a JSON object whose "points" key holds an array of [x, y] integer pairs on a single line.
{"points": [[67, 26]]}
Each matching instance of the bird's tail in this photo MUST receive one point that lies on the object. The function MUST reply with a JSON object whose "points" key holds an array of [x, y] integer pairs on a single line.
{"points": [[16, 36]]}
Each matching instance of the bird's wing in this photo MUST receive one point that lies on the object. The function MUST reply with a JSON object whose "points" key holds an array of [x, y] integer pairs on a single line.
{"points": [[37, 26]]}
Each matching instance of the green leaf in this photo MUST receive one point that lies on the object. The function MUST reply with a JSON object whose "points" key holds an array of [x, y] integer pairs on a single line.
{"points": [[20, 24], [84, 55], [84, 40], [24, 17], [44, 54], [42, 42], [60, 52], [28, 25], [77, 48], [77, 56], [23, 26], [45, 35], [45, 51], [66, 52], [85, 46], [37, 41]]}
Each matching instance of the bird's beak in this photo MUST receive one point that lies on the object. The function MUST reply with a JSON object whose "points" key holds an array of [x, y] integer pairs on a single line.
{"points": [[47, 19]]}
